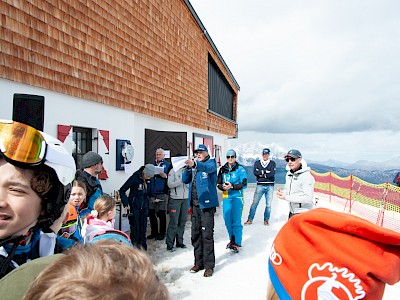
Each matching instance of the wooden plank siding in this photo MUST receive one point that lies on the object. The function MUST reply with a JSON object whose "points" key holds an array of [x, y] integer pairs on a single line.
{"points": [[148, 56]]}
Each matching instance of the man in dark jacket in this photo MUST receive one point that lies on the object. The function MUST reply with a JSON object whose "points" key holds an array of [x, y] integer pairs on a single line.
{"points": [[264, 170], [92, 164], [159, 198], [139, 191], [203, 200]]}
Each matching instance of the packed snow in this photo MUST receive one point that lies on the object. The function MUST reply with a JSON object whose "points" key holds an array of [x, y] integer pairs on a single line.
{"points": [[236, 276]]}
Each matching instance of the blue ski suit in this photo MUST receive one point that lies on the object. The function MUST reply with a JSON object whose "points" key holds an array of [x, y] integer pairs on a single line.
{"points": [[232, 199]]}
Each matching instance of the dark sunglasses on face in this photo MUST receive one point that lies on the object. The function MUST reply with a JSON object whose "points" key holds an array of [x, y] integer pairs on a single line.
{"points": [[290, 158], [230, 157]]}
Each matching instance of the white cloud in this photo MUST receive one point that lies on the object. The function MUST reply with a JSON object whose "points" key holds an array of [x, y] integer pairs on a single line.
{"points": [[311, 69]]}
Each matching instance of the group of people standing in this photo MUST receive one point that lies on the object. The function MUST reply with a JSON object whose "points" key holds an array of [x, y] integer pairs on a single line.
{"points": [[193, 188], [90, 213], [35, 170], [152, 195]]}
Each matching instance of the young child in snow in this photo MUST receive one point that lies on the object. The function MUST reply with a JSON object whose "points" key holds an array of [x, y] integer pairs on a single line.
{"points": [[101, 218], [34, 168], [70, 231]]}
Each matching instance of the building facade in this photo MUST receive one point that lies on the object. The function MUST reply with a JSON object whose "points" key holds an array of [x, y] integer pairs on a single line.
{"points": [[110, 75]]}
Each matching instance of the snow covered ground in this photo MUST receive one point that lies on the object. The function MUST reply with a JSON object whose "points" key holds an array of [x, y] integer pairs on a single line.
{"points": [[236, 276]]}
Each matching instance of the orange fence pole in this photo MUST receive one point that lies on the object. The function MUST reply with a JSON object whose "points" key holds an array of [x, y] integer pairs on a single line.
{"points": [[351, 191], [330, 186]]}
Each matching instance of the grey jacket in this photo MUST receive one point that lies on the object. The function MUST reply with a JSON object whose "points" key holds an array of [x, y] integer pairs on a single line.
{"points": [[299, 189], [177, 189]]}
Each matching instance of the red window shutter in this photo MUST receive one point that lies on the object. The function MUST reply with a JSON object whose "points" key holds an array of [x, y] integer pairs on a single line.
{"points": [[63, 132], [103, 174], [103, 145], [106, 138]]}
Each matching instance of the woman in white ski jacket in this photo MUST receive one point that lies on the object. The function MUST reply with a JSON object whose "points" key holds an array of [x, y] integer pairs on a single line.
{"points": [[299, 187]]}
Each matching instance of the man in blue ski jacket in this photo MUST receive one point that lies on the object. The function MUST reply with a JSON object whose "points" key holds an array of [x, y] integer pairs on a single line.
{"points": [[203, 200]]}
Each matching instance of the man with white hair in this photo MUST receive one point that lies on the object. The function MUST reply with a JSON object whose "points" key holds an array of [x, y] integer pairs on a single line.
{"points": [[159, 198]]}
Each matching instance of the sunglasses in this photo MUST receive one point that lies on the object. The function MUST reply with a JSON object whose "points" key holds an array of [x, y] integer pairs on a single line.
{"points": [[290, 158], [228, 157], [21, 144]]}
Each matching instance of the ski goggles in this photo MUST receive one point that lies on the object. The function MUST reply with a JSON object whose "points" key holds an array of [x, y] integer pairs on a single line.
{"points": [[69, 228], [21, 144]]}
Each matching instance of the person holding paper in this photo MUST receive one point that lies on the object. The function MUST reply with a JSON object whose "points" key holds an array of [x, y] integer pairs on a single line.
{"points": [[178, 162], [159, 198], [177, 207], [201, 174]]}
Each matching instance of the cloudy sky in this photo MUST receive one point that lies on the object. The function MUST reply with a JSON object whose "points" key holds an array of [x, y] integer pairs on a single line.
{"points": [[319, 76]]}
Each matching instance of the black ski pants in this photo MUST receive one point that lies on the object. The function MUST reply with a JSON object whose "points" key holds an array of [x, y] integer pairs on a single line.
{"points": [[203, 236], [138, 223], [157, 211]]}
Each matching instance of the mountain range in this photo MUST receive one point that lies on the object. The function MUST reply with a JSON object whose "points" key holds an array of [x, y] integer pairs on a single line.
{"points": [[370, 171]]}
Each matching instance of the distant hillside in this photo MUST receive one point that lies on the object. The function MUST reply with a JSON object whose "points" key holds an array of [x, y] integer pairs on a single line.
{"points": [[369, 171], [372, 176], [375, 177], [392, 164]]}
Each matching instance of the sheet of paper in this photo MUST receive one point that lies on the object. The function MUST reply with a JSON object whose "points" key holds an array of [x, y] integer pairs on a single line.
{"points": [[128, 168], [158, 170], [178, 162]]}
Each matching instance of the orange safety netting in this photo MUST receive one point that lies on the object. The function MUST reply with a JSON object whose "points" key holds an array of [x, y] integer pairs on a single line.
{"points": [[377, 203]]}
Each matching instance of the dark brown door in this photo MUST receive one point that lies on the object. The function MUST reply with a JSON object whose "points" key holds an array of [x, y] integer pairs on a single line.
{"points": [[175, 142]]}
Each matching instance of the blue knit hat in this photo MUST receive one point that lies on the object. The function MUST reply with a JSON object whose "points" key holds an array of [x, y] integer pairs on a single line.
{"points": [[231, 152]]}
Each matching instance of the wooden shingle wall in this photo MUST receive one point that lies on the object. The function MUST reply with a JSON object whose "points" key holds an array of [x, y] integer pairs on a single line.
{"points": [[148, 56]]}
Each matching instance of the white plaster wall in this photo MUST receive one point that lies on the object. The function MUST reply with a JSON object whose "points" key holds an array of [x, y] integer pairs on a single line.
{"points": [[122, 124]]}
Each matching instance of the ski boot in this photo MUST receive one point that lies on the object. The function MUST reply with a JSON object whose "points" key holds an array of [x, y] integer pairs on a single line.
{"points": [[234, 248], [232, 245]]}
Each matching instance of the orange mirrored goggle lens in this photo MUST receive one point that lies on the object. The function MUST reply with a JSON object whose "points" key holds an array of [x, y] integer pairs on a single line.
{"points": [[21, 143]]}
